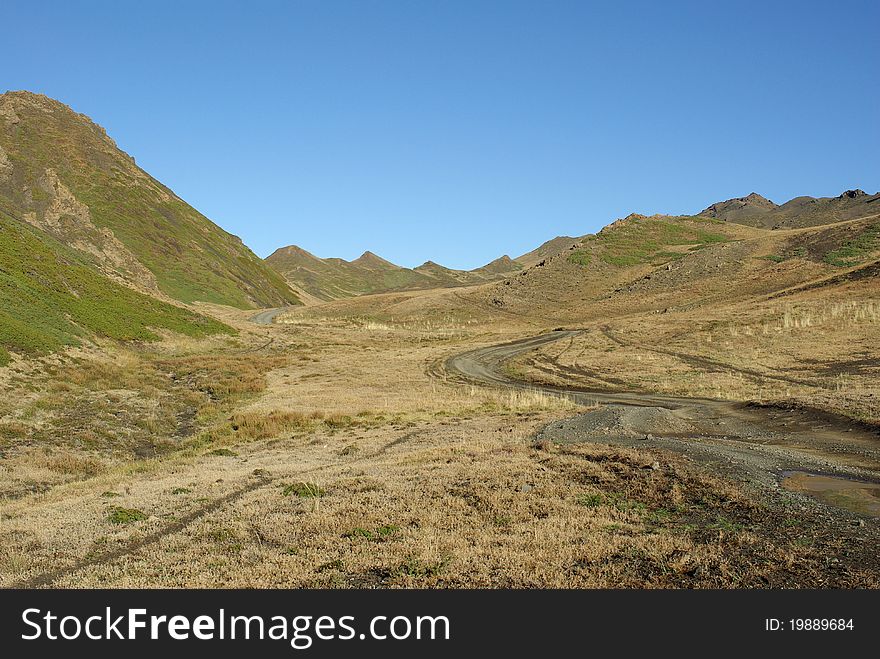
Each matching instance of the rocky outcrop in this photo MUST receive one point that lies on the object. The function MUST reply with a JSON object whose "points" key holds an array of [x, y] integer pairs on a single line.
{"points": [[5, 165], [752, 204], [68, 220], [7, 112], [853, 194]]}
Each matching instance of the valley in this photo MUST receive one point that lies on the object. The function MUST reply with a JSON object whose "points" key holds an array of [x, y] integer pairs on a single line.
{"points": [[676, 401]]}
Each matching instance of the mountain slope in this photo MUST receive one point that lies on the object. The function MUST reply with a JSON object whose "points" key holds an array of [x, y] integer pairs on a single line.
{"points": [[50, 297], [653, 263], [800, 212], [334, 278], [548, 249], [748, 210], [62, 174]]}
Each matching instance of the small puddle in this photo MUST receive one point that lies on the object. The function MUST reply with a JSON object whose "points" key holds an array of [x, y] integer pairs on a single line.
{"points": [[848, 493]]}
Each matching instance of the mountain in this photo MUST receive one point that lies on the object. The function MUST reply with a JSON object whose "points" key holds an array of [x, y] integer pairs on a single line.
{"points": [[370, 261], [63, 175], [550, 248], [335, 278], [755, 210], [747, 210], [51, 297], [500, 266], [651, 263], [503, 266]]}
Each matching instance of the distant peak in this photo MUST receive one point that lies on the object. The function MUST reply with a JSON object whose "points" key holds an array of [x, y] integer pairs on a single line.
{"points": [[501, 264], [370, 260], [752, 202], [291, 252], [853, 194]]}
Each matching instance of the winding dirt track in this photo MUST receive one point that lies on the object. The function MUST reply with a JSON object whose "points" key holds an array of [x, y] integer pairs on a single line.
{"points": [[753, 442], [267, 317]]}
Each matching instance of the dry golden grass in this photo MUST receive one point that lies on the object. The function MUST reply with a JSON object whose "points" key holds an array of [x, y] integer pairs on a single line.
{"points": [[470, 504], [328, 452], [817, 350]]}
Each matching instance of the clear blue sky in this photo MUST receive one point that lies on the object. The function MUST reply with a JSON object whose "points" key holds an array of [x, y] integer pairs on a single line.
{"points": [[460, 130]]}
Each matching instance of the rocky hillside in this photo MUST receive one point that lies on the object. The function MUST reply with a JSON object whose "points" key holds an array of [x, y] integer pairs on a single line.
{"points": [[334, 278], [757, 211], [64, 176], [655, 263], [547, 250]]}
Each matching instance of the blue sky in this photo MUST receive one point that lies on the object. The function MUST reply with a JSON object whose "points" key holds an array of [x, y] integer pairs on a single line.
{"points": [[460, 130]]}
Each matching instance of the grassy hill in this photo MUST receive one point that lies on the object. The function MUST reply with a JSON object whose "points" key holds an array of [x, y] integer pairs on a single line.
{"points": [[61, 173], [334, 278], [547, 250], [51, 297], [659, 262], [800, 212]]}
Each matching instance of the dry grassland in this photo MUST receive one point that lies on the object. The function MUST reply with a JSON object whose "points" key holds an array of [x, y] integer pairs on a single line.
{"points": [[325, 451], [814, 349]]}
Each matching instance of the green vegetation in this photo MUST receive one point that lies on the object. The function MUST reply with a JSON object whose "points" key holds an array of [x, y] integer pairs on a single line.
{"points": [[387, 530], [380, 534], [332, 278], [329, 279], [797, 253], [580, 257], [591, 500], [645, 240], [303, 490], [50, 298], [119, 515], [358, 532], [856, 250], [191, 258]]}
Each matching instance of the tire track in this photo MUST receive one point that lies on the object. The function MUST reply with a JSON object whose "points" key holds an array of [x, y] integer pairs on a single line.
{"points": [[261, 479], [704, 363]]}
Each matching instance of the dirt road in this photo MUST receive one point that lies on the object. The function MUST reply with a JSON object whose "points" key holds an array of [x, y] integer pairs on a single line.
{"points": [[758, 445], [267, 317]]}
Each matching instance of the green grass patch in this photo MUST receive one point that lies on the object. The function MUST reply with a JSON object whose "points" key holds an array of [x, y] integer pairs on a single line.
{"points": [[358, 532], [646, 240], [591, 500], [580, 257], [51, 298], [119, 515], [303, 490], [857, 250]]}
